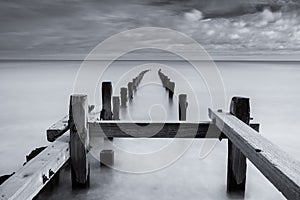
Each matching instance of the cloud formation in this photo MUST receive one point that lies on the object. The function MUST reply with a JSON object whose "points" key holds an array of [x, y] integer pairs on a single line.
{"points": [[35, 28]]}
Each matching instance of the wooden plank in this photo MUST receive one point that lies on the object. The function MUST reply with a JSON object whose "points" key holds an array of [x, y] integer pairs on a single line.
{"points": [[142, 130], [58, 129], [93, 115], [34, 153], [79, 140], [62, 126], [162, 130], [32, 177], [276, 165]]}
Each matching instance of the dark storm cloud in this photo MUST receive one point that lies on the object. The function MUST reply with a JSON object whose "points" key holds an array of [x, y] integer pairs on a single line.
{"points": [[68, 26], [33, 28], [53, 26]]}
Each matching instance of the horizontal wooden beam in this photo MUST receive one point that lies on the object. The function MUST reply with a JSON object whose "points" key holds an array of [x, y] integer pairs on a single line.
{"points": [[27, 182], [58, 129], [155, 130], [62, 126], [276, 165]]}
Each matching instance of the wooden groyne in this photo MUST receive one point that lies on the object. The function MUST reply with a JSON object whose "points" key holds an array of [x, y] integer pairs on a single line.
{"points": [[70, 142]]}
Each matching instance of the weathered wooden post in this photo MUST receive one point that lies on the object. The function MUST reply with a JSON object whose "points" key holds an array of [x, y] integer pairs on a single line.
{"points": [[107, 157], [116, 108], [123, 93], [237, 166], [165, 81], [79, 140], [106, 113], [139, 79], [134, 85], [171, 87], [130, 90], [182, 107]]}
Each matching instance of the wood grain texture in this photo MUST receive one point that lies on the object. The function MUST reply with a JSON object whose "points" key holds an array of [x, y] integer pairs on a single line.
{"points": [[27, 182], [58, 129], [95, 129], [79, 140], [62, 126], [237, 162], [276, 165], [155, 130]]}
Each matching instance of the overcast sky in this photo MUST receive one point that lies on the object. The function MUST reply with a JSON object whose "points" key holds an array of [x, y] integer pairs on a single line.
{"points": [[72, 28]]}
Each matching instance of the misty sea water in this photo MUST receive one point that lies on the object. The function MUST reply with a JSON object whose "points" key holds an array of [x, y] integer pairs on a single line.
{"points": [[35, 94]]}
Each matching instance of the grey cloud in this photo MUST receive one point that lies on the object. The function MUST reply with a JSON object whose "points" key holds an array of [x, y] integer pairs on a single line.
{"points": [[31, 28]]}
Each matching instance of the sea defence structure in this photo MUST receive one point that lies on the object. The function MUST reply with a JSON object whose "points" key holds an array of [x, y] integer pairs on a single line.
{"points": [[70, 142]]}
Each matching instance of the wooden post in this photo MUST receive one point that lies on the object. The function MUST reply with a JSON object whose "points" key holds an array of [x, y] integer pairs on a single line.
{"points": [[164, 81], [116, 108], [167, 82], [171, 89], [130, 90], [237, 166], [139, 79], [79, 140], [182, 107], [275, 164], [133, 84], [107, 158], [123, 93], [106, 113]]}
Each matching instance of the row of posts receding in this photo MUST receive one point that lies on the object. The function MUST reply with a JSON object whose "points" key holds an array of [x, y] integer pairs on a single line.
{"points": [[107, 154], [107, 113], [236, 173], [170, 87], [128, 94]]}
